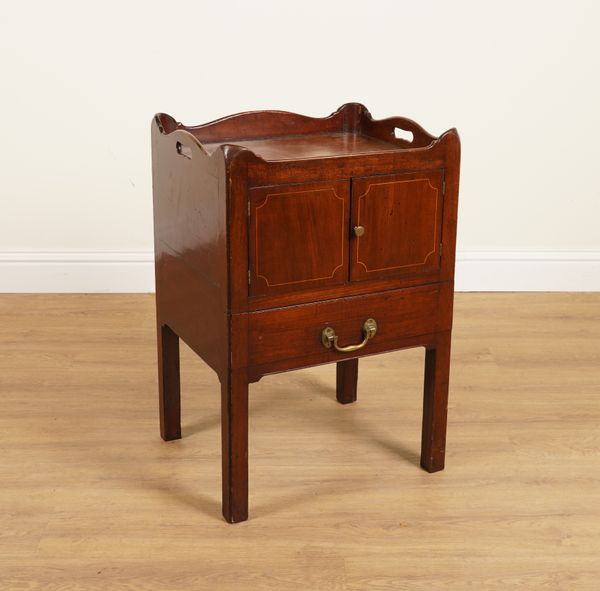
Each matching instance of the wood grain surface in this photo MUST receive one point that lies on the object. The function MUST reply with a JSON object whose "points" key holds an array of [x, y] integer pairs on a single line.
{"points": [[298, 236], [91, 497], [402, 216]]}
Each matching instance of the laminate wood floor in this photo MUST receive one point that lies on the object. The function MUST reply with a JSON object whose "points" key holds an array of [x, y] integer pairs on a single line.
{"points": [[91, 498]]}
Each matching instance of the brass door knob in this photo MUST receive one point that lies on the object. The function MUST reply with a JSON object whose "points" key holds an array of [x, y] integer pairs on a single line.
{"points": [[359, 231]]}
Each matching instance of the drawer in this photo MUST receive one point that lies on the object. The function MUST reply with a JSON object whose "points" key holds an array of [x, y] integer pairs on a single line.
{"points": [[295, 333]]}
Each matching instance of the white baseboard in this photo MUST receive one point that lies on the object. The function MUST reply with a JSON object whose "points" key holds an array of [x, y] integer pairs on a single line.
{"points": [[89, 271], [528, 270], [133, 271]]}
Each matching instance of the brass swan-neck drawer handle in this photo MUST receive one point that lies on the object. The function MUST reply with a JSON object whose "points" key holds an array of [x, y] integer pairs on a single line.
{"points": [[328, 337]]}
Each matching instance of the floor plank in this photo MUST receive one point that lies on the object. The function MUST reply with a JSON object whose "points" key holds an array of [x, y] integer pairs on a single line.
{"points": [[91, 498]]}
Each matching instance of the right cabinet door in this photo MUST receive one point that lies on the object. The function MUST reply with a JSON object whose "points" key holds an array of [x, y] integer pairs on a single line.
{"points": [[396, 225]]}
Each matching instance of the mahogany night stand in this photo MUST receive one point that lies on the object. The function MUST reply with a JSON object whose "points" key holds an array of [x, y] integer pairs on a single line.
{"points": [[284, 241]]}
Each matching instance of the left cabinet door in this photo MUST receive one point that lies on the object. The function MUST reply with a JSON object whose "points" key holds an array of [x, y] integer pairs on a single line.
{"points": [[298, 236]]}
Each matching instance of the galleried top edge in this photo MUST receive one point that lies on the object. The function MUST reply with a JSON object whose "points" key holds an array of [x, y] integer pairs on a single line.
{"points": [[281, 135]]}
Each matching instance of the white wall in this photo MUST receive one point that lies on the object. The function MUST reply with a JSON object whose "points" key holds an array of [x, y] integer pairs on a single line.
{"points": [[80, 81]]}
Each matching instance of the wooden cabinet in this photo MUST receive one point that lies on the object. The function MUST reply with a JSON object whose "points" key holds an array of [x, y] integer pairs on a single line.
{"points": [[285, 241]]}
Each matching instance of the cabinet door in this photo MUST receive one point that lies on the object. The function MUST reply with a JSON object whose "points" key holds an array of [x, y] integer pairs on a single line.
{"points": [[298, 236], [396, 225]]}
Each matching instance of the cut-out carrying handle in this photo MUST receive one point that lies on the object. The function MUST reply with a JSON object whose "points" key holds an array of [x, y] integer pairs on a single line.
{"points": [[182, 150], [407, 132], [403, 134]]}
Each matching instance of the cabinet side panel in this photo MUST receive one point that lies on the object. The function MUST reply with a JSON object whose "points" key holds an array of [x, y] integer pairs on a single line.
{"points": [[451, 143], [190, 243]]}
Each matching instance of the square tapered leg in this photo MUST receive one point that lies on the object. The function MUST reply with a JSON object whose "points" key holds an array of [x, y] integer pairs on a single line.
{"points": [[435, 404], [168, 383], [234, 439], [346, 380]]}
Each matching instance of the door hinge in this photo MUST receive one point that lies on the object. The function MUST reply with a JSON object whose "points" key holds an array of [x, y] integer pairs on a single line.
{"points": [[249, 277], [248, 208], [441, 248], [444, 187]]}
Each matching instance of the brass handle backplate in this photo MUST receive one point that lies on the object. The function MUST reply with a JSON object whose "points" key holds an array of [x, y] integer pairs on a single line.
{"points": [[359, 231], [329, 338]]}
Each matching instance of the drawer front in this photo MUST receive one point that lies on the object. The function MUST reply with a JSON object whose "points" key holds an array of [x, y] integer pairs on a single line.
{"points": [[295, 332]]}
